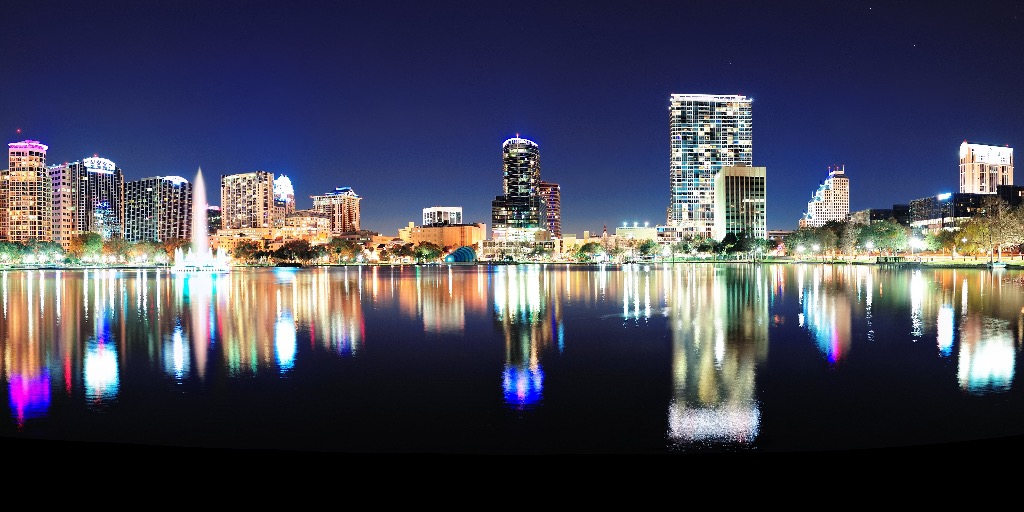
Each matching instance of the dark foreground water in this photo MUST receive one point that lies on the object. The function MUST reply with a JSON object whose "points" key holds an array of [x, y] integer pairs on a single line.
{"points": [[529, 359]]}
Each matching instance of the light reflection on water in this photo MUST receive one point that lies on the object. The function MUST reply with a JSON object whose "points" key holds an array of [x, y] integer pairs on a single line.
{"points": [[708, 330]]}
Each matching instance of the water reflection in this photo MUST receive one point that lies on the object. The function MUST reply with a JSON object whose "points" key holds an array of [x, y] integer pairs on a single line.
{"points": [[86, 336], [719, 318]]}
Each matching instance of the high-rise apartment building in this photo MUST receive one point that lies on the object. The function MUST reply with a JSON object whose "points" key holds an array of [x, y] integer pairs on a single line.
{"points": [[830, 202], [88, 197], [342, 208], [439, 215], [707, 132], [247, 200], [984, 168], [552, 195], [158, 209], [518, 214], [740, 202], [26, 195], [284, 199]]}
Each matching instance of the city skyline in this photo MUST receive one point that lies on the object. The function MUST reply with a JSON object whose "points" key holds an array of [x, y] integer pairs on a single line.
{"points": [[409, 109]]}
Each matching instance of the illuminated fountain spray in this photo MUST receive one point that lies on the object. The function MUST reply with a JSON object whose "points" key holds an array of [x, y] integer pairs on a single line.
{"points": [[199, 256]]}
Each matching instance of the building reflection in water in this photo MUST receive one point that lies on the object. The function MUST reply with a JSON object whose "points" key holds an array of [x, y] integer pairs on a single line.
{"points": [[988, 343], [719, 322], [529, 316], [826, 308]]}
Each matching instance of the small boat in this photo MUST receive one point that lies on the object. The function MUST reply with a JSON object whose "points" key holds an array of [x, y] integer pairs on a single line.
{"points": [[996, 264]]}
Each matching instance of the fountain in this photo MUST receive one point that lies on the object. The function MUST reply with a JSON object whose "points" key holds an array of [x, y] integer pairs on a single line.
{"points": [[199, 257]]}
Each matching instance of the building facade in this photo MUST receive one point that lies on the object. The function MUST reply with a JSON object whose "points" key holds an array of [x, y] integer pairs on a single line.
{"points": [[26, 194], [341, 206], [984, 168], [552, 195], [247, 200], [831, 202], [88, 197], [451, 236], [944, 211], [706, 133], [740, 202], [518, 214], [438, 215], [158, 209]]}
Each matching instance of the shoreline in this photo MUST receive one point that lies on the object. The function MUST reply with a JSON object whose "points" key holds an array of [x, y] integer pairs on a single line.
{"points": [[921, 262]]}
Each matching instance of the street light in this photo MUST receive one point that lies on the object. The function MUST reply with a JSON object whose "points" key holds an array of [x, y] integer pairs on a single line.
{"points": [[816, 248], [800, 249]]}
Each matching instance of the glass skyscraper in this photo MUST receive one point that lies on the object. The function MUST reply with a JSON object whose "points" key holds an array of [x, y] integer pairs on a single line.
{"points": [[707, 132], [519, 213]]}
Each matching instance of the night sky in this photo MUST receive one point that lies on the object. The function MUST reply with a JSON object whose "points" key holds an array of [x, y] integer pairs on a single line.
{"points": [[409, 103]]}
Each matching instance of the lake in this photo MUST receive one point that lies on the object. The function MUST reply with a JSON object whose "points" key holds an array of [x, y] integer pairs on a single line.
{"points": [[667, 359]]}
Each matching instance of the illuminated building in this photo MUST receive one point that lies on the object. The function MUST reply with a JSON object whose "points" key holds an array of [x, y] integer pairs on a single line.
{"points": [[284, 199], [437, 215], [707, 132], [518, 214], [283, 191], [342, 208], [88, 197], [212, 219], [830, 202], [740, 202], [983, 168], [26, 208], [308, 225], [552, 194], [158, 209], [453, 236], [247, 200], [943, 211]]}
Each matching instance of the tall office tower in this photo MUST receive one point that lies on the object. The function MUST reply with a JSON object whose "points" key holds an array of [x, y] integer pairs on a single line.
{"points": [[26, 207], [247, 200], [706, 132], [740, 202], [440, 215], [342, 208], [158, 209], [284, 199], [88, 197], [552, 195], [983, 168], [519, 213], [212, 219], [830, 202]]}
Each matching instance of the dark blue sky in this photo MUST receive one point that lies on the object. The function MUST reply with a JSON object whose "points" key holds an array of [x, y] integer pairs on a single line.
{"points": [[408, 103]]}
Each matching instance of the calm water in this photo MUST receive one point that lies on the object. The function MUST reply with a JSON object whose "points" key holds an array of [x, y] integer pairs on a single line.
{"points": [[514, 359]]}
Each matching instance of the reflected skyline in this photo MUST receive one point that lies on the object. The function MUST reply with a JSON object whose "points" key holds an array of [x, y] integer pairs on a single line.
{"points": [[93, 337]]}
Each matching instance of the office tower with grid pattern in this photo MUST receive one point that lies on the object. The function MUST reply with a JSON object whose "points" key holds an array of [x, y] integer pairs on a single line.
{"points": [[247, 200], [158, 209], [26, 194], [706, 132]]}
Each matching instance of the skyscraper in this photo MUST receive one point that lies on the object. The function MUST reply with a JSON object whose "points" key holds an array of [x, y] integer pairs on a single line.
{"points": [[158, 209], [247, 200], [518, 214], [88, 197], [342, 208], [552, 195], [706, 132], [437, 215], [830, 202], [740, 202], [26, 208], [983, 168]]}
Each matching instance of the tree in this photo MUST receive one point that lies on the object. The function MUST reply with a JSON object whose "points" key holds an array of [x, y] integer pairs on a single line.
{"points": [[589, 251], [246, 250], [342, 249], [87, 246], [648, 249], [294, 250], [171, 245], [116, 248], [427, 252]]}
